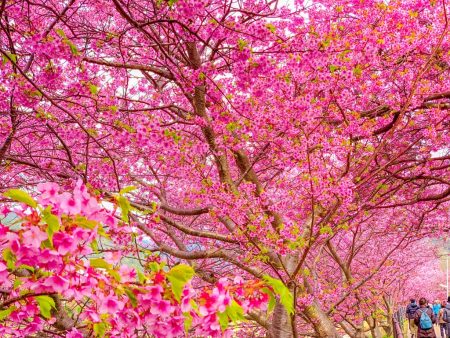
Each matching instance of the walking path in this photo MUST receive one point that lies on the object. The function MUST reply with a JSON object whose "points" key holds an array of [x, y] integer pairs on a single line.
{"points": [[436, 329]]}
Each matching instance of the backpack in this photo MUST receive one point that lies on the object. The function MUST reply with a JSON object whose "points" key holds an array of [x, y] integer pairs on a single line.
{"points": [[446, 316], [411, 310], [425, 320]]}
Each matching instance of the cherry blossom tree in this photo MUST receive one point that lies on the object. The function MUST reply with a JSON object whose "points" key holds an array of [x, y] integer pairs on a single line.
{"points": [[289, 155]]}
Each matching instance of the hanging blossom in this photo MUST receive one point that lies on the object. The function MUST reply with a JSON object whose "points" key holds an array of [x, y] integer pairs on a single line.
{"points": [[54, 260]]}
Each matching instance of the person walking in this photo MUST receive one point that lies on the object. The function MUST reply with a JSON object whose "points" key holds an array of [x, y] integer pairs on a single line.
{"points": [[441, 321], [424, 318], [446, 317], [436, 307], [410, 311]]}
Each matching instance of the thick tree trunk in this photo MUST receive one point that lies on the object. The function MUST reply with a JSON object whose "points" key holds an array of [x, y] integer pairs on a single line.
{"points": [[323, 326], [281, 323], [282, 326], [375, 330]]}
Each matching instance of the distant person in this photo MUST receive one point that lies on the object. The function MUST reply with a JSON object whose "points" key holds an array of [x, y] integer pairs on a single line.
{"points": [[442, 322], [410, 312], [436, 307], [424, 318], [446, 317]]}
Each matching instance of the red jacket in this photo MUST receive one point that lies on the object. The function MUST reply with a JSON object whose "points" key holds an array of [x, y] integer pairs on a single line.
{"points": [[421, 333]]}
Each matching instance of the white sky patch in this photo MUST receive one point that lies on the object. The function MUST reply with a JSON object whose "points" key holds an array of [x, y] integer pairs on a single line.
{"points": [[440, 153]]}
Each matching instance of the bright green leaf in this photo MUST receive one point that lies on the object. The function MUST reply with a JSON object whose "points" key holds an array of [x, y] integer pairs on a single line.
{"points": [[272, 302], [60, 32], [223, 320], [242, 44], [21, 196], [131, 297], [127, 189], [333, 68], [9, 258], [99, 263], [26, 267], [178, 276], [18, 282], [52, 222], [114, 274], [5, 313], [286, 297], [187, 321], [125, 205], [271, 27], [13, 57], [141, 277], [100, 329], [73, 48], [94, 246], [46, 304], [357, 71], [93, 88], [235, 311]]}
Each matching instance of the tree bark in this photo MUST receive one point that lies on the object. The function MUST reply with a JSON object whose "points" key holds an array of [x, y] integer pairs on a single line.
{"points": [[323, 326]]}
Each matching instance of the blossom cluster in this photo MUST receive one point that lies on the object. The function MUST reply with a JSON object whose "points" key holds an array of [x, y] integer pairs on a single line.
{"points": [[56, 275]]}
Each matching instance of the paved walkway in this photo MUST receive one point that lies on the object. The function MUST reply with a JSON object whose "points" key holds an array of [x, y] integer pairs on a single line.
{"points": [[436, 329]]}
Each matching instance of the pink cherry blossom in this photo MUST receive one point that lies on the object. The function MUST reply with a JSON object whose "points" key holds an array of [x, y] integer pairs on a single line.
{"points": [[69, 205], [33, 237], [110, 304]]}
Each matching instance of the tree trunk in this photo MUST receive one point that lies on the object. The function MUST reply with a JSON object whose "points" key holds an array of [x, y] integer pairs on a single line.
{"points": [[375, 330], [323, 326], [281, 323]]}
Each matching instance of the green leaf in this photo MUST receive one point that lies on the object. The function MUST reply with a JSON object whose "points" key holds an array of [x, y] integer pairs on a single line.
{"points": [[100, 329], [141, 277], [235, 312], [9, 258], [5, 313], [357, 71], [286, 297], [333, 68], [187, 321], [47, 244], [46, 304], [85, 223], [26, 267], [326, 230], [52, 222], [72, 47], [223, 320], [100, 263], [60, 32], [131, 297], [94, 246], [21, 196], [18, 282], [272, 302], [125, 205], [271, 27], [178, 276], [115, 275], [93, 88], [127, 189], [13, 57], [242, 44], [154, 266]]}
